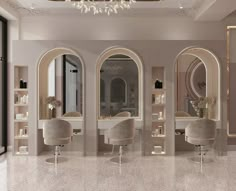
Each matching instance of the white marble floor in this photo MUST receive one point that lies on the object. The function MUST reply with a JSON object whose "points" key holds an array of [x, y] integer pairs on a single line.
{"points": [[98, 174]]}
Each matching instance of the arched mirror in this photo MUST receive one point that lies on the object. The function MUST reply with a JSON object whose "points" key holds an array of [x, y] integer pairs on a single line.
{"points": [[191, 82], [61, 92], [119, 86]]}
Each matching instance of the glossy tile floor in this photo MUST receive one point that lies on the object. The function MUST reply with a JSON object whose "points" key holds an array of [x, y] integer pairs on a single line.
{"points": [[98, 174]]}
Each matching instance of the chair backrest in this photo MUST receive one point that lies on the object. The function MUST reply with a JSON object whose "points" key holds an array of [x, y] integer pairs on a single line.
{"points": [[123, 114], [182, 114], [57, 129], [123, 130], [72, 114], [201, 131]]}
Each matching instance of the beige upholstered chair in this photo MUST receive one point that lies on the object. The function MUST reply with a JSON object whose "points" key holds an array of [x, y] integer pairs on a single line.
{"points": [[201, 132], [57, 132], [123, 114], [182, 114], [121, 134]]}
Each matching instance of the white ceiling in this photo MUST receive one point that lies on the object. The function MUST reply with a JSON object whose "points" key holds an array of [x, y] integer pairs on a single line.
{"points": [[200, 10], [45, 4]]}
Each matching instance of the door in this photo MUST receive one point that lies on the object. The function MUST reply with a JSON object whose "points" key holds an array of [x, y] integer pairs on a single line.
{"points": [[3, 85]]}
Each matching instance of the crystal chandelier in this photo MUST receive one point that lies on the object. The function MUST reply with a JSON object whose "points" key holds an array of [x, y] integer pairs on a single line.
{"points": [[99, 7]]}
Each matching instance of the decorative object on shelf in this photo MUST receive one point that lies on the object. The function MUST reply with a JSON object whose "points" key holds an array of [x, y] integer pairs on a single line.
{"points": [[23, 149], [23, 84], [21, 132], [157, 149], [99, 7], [155, 116], [19, 116], [160, 116], [160, 99], [158, 84], [52, 104], [21, 99]]}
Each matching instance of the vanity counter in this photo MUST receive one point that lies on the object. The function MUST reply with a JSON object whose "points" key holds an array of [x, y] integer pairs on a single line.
{"points": [[76, 123], [104, 124], [182, 122]]}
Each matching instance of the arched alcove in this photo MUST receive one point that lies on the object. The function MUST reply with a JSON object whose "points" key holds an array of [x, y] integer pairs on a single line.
{"points": [[127, 53], [212, 69], [213, 75], [43, 65]]}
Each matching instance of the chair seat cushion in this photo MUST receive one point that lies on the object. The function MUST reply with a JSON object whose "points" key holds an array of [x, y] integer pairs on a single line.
{"points": [[55, 142], [201, 142]]}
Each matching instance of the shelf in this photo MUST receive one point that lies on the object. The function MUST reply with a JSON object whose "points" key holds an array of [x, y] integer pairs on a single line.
{"points": [[20, 120], [158, 121], [21, 137], [18, 153], [159, 105], [161, 153], [159, 136], [21, 89], [158, 90], [21, 109], [20, 105]]}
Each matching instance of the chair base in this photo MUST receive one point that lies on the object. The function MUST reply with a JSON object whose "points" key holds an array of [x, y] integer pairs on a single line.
{"points": [[53, 161], [117, 160], [198, 160]]}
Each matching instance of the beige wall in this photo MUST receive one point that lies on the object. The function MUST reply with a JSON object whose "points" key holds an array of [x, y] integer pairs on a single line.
{"points": [[152, 53]]}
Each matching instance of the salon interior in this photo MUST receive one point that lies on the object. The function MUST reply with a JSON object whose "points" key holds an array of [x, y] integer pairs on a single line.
{"points": [[117, 95]]}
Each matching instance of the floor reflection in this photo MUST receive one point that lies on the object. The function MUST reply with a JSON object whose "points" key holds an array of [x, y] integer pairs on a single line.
{"points": [[99, 174]]}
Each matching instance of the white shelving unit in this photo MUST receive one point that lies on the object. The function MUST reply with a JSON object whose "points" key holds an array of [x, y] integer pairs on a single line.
{"points": [[21, 110], [158, 132]]}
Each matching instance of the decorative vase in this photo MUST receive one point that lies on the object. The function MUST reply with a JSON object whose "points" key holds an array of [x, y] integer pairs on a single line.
{"points": [[52, 113], [203, 113], [158, 84]]}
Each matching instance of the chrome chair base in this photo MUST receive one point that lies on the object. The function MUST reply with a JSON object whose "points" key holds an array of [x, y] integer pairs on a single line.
{"points": [[118, 160], [204, 160], [55, 161]]}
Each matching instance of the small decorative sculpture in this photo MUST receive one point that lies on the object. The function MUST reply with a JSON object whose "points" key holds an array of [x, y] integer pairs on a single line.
{"points": [[158, 84]]}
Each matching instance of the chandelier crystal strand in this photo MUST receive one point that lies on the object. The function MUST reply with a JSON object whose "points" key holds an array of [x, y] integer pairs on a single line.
{"points": [[107, 7]]}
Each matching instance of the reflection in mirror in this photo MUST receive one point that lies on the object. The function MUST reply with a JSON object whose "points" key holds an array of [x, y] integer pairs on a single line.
{"points": [[119, 86], [72, 80], [191, 84], [63, 84]]}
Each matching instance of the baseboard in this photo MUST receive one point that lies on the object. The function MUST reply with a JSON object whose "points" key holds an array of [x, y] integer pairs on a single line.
{"points": [[231, 147]]}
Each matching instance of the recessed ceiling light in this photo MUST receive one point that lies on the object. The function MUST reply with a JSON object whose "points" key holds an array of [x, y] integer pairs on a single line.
{"points": [[32, 7], [181, 7]]}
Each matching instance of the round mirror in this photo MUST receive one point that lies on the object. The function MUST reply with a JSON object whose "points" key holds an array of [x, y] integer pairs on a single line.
{"points": [[191, 84]]}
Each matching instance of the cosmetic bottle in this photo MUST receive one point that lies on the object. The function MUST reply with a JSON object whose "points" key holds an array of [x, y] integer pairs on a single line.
{"points": [[24, 84], [21, 83]]}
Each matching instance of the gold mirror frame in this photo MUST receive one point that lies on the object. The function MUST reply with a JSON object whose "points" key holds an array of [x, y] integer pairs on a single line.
{"points": [[229, 28]]}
